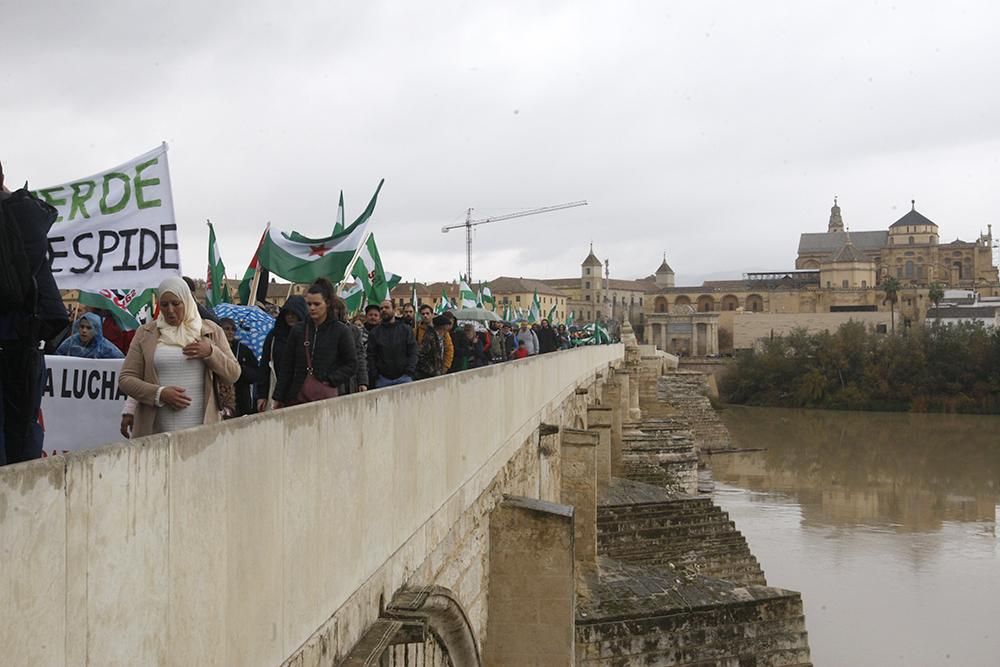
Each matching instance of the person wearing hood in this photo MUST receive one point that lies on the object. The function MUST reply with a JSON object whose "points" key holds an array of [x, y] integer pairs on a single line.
{"points": [[293, 312], [249, 369], [88, 341], [173, 364]]}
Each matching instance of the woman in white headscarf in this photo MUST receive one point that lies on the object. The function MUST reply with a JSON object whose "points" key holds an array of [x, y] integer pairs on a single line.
{"points": [[172, 365]]}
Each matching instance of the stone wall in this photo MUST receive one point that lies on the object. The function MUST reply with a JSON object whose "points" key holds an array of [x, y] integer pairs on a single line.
{"points": [[748, 328], [686, 394], [274, 535]]}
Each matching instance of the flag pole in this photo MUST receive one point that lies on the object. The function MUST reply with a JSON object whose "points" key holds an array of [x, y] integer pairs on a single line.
{"points": [[354, 259], [252, 299]]}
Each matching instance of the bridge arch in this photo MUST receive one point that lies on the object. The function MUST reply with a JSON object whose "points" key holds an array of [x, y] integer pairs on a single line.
{"points": [[421, 627]]}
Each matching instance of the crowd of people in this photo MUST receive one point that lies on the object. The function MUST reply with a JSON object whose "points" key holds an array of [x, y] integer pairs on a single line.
{"points": [[187, 368]]}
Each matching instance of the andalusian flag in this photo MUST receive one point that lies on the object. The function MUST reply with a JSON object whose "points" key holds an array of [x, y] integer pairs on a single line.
{"points": [[216, 289], [353, 296], [486, 296], [338, 226], [551, 317], [444, 304], [508, 313], [535, 313], [466, 299], [369, 272], [130, 308], [569, 320], [302, 260], [414, 301], [247, 282], [391, 280]]}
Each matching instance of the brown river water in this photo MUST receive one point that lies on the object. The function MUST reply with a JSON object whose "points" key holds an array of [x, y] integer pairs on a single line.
{"points": [[885, 522]]}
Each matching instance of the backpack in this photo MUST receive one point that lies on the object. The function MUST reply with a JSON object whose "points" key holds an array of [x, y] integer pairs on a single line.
{"points": [[16, 279]]}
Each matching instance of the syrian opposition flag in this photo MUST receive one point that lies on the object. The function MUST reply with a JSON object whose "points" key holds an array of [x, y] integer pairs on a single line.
{"points": [[216, 289], [466, 298], [369, 272], [130, 308], [302, 260], [247, 282]]}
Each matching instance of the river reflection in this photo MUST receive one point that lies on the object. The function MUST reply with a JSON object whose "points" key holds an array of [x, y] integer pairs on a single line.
{"points": [[885, 522]]}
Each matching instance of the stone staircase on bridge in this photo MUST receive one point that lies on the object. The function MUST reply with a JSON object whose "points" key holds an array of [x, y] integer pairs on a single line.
{"points": [[686, 393]]}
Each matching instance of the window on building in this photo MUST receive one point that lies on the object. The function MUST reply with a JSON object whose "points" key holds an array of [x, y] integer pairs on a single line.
{"points": [[640, 300], [909, 269], [588, 273], [588, 297], [518, 298], [586, 285], [828, 285], [864, 283], [911, 240], [845, 284]]}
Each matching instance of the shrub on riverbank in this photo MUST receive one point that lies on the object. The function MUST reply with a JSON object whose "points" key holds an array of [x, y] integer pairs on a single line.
{"points": [[924, 369]]}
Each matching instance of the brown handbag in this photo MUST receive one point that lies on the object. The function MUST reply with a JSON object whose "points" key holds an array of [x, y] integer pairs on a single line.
{"points": [[313, 389]]}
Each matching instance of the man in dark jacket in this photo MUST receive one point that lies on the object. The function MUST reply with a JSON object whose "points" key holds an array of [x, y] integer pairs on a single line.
{"points": [[392, 350], [24, 326], [548, 341]]}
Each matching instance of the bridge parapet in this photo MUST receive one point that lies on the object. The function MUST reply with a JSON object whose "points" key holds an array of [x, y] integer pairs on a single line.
{"points": [[235, 543]]}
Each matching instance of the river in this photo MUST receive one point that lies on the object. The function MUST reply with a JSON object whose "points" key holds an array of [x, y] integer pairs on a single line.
{"points": [[886, 523]]}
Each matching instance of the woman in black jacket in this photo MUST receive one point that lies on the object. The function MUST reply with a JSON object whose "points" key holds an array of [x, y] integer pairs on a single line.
{"points": [[271, 359], [331, 344]]}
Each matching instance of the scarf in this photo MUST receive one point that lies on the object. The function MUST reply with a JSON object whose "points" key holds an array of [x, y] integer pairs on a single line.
{"points": [[189, 330]]}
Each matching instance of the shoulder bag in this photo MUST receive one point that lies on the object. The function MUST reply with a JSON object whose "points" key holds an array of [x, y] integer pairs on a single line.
{"points": [[313, 389]]}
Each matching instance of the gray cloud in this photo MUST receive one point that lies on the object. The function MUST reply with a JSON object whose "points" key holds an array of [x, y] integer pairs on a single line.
{"points": [[717, 132]]}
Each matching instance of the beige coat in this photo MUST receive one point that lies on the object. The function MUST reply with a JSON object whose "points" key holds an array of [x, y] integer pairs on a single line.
{"points": [[138, 375]]}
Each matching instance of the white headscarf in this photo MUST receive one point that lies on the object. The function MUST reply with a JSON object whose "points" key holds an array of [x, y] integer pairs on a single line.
{"points": [[189, 330]]}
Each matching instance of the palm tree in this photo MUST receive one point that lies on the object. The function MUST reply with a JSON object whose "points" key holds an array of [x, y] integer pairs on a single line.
{"points": [[891, 288], [935, 294]]}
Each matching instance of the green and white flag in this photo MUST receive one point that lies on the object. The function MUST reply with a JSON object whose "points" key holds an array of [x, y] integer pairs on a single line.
{"points": [[216, 288], [369, 272], [535, 313], [466, 299], [414, 301], [391, 279], [569, 319], [444, 304], [338, 226], [130, 308], [551, 317], [486, 295], [353, 296], [302, 260]]}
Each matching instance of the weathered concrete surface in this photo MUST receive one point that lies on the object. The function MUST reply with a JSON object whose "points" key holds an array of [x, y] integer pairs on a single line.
{"points": [[241, 542], [532, 601]]}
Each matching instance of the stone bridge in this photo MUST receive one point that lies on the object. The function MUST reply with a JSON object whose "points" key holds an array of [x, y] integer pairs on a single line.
{"points": [[520, 514]]}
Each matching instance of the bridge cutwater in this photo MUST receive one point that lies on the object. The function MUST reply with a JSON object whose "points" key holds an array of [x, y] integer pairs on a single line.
{"points": [[538, 512]]}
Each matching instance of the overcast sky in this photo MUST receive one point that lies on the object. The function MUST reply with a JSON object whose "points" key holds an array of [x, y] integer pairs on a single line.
{"points": [[714, 131]]}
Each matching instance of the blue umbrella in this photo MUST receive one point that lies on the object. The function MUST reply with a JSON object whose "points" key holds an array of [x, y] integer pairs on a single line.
{"points": [[252, 324]]}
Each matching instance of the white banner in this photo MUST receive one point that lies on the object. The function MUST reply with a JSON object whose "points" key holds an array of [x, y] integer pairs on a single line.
{"points": [[81, 404], [115, 229]]}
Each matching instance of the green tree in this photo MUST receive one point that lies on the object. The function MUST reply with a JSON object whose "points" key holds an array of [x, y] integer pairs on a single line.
{"points": [[891, 288], [935, 294]]}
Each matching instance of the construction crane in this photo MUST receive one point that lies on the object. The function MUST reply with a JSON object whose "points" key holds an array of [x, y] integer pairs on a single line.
{"points": [[470, 223]]}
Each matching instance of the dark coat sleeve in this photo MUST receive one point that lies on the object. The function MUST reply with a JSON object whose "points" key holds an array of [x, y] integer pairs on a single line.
{"points": [[371, 353], [411, 353], [287, 370], [248, 365], [362, 355], [346, 364]]}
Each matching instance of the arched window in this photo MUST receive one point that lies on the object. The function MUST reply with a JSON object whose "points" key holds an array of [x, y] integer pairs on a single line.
{"points": [[730, 302], [755, 303], [661, 304], [706, 303], [682, 301], [911, 240]]}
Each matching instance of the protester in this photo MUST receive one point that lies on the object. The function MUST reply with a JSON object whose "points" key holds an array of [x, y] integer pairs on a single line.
{"points": [[527, 341], [203, 312], [469, 351], [359, 381], [563, 337], [88, 341], [113, 333], [244, 403], [504, 344], [430, 355], [409, 313], [548, 341], [273, 356], [392, 350], [175, 364], [31, 311], [373, 316], [426, 322], [331, 349]]}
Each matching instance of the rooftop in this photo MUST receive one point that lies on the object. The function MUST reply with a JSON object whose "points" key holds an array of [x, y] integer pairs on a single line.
{"points": [[829, 242]]}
